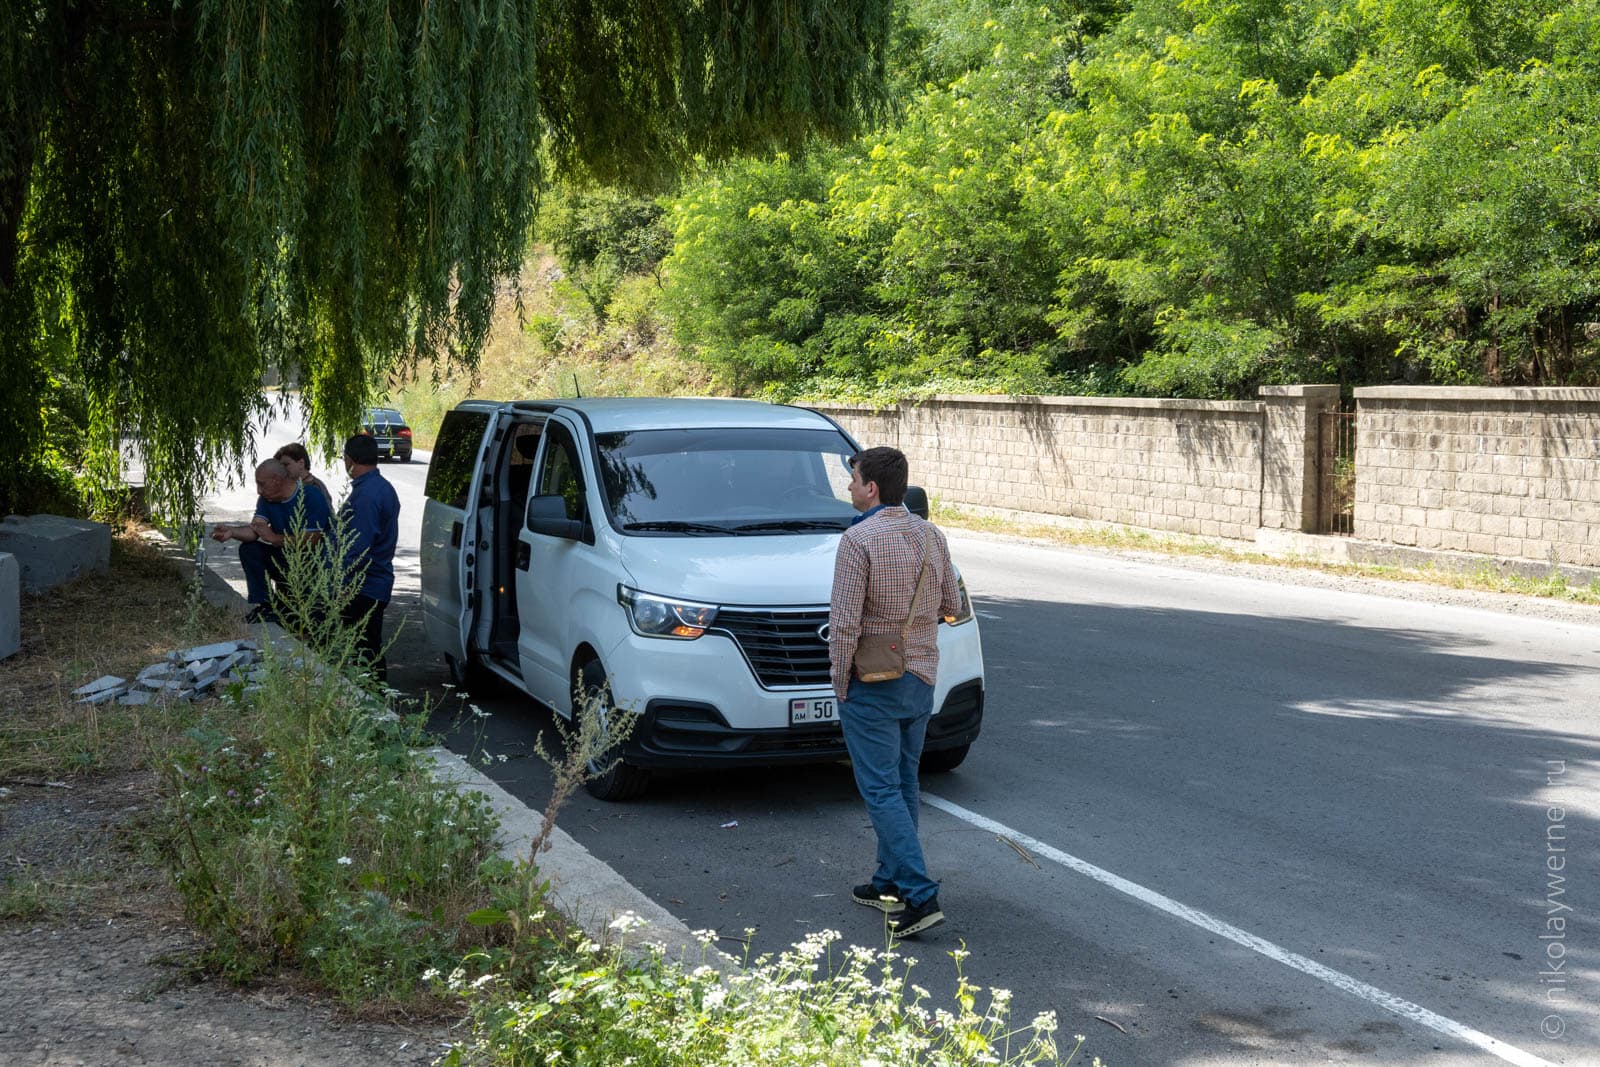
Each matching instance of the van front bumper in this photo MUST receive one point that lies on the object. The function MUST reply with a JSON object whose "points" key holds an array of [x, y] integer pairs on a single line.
{"points": [[686, 734]]}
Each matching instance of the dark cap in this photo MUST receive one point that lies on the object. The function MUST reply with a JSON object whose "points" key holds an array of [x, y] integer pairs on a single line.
{"points": [[362, 449]]}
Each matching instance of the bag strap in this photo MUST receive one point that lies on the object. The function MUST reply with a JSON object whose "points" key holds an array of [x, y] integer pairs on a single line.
{"points": [[922, 576]]}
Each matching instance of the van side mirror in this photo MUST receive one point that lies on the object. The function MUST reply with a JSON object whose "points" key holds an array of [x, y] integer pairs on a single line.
{"points": [[917, 501], [548, 515]]}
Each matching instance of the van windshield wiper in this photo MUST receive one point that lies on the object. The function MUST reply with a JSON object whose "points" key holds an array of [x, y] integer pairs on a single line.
{"points": [[675, 526], [833, 525]]}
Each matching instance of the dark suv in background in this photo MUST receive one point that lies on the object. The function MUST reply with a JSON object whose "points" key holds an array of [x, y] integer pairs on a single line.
{"points": [[388, 427]]}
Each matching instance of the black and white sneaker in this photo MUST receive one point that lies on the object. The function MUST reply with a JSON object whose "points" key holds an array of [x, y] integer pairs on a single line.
{"points": [[885, 900], [916, 918], [261, 613]]}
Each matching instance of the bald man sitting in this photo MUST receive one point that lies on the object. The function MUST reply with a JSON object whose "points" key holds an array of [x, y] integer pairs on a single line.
{"points": [[284, 509]]}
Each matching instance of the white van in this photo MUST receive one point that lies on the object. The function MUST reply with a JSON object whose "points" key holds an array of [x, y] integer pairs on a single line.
{"points": [[679, 550]]}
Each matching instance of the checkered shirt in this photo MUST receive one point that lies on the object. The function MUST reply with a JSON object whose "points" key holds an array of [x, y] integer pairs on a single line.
{"points": [[874, 576]]}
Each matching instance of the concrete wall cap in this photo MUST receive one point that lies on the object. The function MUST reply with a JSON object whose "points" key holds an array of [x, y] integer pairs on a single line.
{"points": [[1316, 391], [1133, 402], [1482, 394], [58, 522]]}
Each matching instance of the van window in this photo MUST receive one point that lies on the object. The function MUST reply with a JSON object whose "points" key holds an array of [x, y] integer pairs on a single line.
{"points": [[561, 474], [454, 454], [727, 481]]}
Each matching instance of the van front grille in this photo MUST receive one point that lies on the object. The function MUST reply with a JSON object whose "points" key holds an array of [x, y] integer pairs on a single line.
{"points": [[784, 648]]}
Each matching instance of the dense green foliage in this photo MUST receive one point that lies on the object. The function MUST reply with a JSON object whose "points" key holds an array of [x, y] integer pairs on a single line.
{"points": [[194, 193], [1187, 197], [603, 235]]}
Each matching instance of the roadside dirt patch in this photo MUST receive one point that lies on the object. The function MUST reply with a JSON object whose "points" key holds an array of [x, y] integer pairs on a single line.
{"points": [[98, 959]]}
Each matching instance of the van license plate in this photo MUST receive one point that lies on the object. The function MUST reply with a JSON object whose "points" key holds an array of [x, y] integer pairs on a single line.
{"points": [[807, 712]]}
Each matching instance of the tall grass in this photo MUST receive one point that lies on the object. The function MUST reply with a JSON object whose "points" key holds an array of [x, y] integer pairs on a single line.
{"points": [[304, 827]]}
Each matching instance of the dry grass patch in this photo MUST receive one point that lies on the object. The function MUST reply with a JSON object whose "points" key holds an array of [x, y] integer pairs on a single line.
{"points": [[552, 347], [116, 621]]}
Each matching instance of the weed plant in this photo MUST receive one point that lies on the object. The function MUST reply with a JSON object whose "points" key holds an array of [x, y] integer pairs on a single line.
{"points": [[813, 1004], [306, 830]]}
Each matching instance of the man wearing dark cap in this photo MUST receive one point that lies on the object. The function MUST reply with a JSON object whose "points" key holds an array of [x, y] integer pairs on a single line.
{"points": [[372, 515]]}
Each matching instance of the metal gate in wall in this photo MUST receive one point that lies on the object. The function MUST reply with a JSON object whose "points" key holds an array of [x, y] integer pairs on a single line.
{"points": [[1336, 470]]}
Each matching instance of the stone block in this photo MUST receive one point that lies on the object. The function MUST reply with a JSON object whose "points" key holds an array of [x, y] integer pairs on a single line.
{"points": [[213, 651], [10, 605], [157, 673], [51, 549], [99, 685]]}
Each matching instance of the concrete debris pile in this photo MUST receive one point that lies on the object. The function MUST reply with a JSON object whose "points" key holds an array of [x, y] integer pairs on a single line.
{"points": [[188, 674]]}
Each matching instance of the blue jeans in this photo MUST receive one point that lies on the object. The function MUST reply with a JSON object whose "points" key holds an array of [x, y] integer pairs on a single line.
{"points": [[884, 725], [259, 560]]}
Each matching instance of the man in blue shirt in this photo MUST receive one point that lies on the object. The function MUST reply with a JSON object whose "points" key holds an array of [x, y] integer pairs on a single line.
{"points": [[283, 510], [371, 514]]}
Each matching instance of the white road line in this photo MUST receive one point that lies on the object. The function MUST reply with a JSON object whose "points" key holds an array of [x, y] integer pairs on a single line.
{"points": [[1354, 986]]}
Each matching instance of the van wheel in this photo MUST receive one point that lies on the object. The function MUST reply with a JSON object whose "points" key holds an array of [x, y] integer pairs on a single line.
{"points": [[470, 677], [623, 781], [945, 759]]}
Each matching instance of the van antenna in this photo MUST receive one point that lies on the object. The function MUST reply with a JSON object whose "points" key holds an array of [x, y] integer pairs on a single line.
{"points": [[576, 391]]}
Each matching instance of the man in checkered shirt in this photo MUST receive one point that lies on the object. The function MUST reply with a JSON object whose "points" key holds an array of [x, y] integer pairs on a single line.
{"points": [[874, 577]]}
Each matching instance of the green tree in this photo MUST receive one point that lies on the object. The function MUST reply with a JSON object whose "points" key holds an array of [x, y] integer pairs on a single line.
{"points": [[602, 235], [909, 256], [191, 194], [1182, 197]]}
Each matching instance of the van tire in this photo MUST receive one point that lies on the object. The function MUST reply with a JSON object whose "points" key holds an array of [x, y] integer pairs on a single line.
{"points": [[945, 759], [470, 677], [623, 781]]}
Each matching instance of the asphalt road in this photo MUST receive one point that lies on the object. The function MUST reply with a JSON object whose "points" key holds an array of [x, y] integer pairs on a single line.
{"points": [[1245, 821]]}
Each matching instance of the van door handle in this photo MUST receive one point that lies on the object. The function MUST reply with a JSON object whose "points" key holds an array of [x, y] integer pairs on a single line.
{"points": [[455, 534], [522, 555]]}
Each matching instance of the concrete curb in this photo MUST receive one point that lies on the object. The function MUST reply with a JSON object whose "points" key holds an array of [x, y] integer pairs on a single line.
{"points": [[1292, 545], [584, 888]]}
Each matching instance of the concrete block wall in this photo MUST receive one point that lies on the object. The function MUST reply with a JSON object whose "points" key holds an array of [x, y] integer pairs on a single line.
{"points": [[10, 605], [1189, 466], [1289, 460], [52, 549], [1504, 472]]}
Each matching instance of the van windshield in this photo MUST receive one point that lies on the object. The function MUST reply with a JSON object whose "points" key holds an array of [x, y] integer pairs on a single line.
{"points": [[727, 481]]}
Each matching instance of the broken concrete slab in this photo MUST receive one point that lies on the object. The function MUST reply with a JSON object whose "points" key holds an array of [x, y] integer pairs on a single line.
{"points": [[212, 651], [159, 672], [103, 696], [52, 549], [100, 684], [136, 696], [10, 604], [206, 680]]}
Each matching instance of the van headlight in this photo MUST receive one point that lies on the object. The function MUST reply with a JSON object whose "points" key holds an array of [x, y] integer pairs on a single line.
{"points": [[659, 616], [964, 612]]}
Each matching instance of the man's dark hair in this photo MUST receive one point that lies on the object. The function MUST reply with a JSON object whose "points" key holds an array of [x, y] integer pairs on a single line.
{"points": [[295, 451], [362, 449], [887, 467]]}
